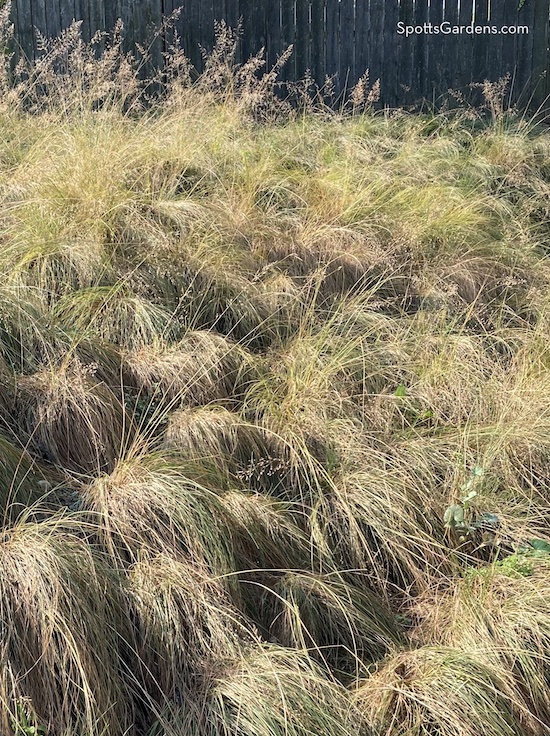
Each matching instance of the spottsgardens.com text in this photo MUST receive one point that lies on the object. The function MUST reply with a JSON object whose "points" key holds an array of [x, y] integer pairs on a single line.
{"points": [[447, 29]]}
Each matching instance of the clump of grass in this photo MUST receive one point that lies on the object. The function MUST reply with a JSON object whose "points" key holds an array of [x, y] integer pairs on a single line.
{"points": [[185, 618], [501, 612], [341, 624], [70, 418], [115, 315], [381, 521], [201, 368], [441, 690], [266, 690], [154, 504], [62, 617], [20, 478]]}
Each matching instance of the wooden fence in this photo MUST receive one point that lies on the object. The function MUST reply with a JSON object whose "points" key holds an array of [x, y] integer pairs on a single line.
{"points": [[339, 38]]}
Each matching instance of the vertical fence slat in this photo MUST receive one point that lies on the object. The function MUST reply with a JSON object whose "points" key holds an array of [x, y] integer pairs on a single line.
{"points": [[273, 32], [302, 52], [333, 43], [82, 11], [206, 25], [390, 45], [67, 13], [450, 47], [421, 51], [347, 50], [376, 46], [406, 68], [466, 44], [496, 19], [53, 18], [436, 55], [39, 21], [362, 29], [25, 34], [288, 35], [318, 59], [113, 13], [540, 53], [524, 54], [480, 70], [509, 45], [232, 13]]}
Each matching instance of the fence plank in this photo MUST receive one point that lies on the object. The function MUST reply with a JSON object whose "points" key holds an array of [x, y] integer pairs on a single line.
{"points": [[421, 50], [67, 13], [406, 67], [524, 54], [376, 46], [302, 52], [362, 29], [53, 18], [480, 68], [39, 22], [206, 25], [272, 32], [540, 53], [436, 56], [347, 48], [333, 42], [97, 20], [390, 43], [466, 44], [509, 45], [318, 47], [288, 35], [25, 28]]}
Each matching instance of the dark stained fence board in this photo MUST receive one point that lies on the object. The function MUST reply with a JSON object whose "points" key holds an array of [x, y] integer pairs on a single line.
{"points": [[497, 19], [39, 22], [273, 32], [82, 10], [318, 44], [362, 30], [436, 57], [421, 49], [524, 55], [25, 28], [347, 47], [540, 53], [288, 34], [480, 66], [67, 12], [113, 12], [390, 43], [333, 43], [466, 47], [450, 47], [509, 45], [376, 46], [98, 20], [302, 50], [206, 32], [406, 61], [53, 18], [232, 13]]}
